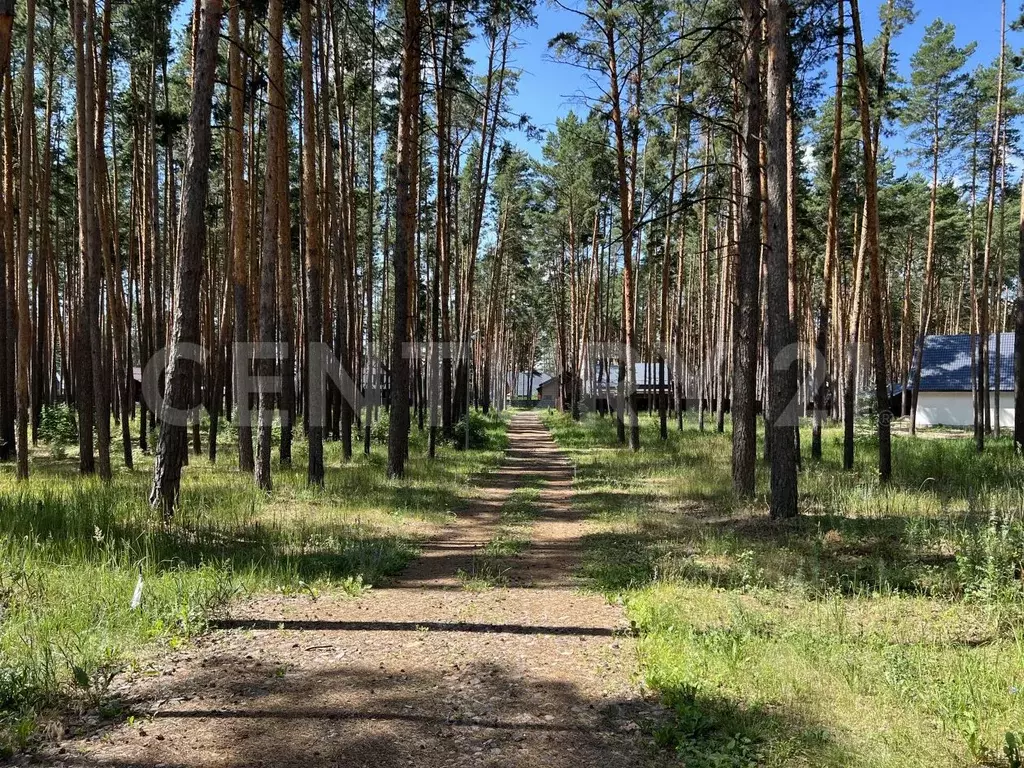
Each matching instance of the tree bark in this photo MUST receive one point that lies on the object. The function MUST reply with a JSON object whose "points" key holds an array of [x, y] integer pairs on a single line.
{"points": [[927, 294], [239, 237], [86, 353], [314, 288], [874, 261], [1018, 344], [626, 196], [746, 320], [666, 262], [821, 371], [782, 418], [286, 338], [371, 369], [982, 420], [99, 243], [7, 302], [25, 207], [406, 204], [271, 224], [181, 370]]}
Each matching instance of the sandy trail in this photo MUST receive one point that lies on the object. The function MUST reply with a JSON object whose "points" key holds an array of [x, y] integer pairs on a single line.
{"points": [[424, 673]]}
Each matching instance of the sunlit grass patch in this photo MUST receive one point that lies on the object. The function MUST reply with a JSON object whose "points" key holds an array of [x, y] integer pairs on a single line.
{"points": [[882, 628], [492, 566], [506, 544], [521, 506], [865, 681], [73, 551]]}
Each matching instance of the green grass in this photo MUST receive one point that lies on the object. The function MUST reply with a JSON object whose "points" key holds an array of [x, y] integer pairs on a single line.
{"points": [[520, 508], [491, 567], [73, 549], [883, 628]]}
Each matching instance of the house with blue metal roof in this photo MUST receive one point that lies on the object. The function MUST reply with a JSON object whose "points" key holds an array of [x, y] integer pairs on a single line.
{"points": [[946, 396]]}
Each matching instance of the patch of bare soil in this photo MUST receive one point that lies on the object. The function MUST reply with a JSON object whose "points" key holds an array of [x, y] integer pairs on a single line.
{"points": [[424, 673], [902, 427]]}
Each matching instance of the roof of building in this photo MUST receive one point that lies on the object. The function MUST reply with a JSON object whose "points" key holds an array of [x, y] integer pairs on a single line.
{"points": [[522, 386], [947, 363], [647, 375]]}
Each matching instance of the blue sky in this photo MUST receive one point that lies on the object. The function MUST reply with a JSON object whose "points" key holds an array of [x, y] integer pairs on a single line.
{"points": [[549, 89]]}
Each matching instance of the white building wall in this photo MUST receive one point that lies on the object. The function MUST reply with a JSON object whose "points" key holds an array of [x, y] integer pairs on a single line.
{"points": [[956, 409]]}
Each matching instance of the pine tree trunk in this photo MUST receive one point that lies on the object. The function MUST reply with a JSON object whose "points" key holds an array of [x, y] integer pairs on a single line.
{"points": [[748, 274], [103, 250], [181, 370], [907, 345], [983, 412], [927, 294], [87, 314], [25, 207], [286, 338], [269, 257], [48, 288], [239, 237], [346, 251], [821, 362], [782, 419], [406, 204], [1018, 344], [221, 358], [122, 378], [371, 371], [626, 197], [726, 268], [314, 311], [1001, 306], [874, 261], [7, 382]]}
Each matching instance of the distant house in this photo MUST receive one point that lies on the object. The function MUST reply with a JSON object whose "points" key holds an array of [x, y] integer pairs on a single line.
{"points": [[648, 384], [603, 387], [946, 396], [525, 387], [547, 392]]}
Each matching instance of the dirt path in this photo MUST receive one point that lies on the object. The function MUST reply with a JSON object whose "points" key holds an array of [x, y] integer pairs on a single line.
{"points": [[425, 673]]}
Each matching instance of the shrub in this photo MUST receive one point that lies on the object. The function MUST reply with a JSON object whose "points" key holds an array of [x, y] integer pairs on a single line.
{"points": [[57, 427], [380, 428], [480, 427], [990, 559]]}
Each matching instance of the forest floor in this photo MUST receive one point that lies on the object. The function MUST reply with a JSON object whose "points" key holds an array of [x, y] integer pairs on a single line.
{"points": [[483, 652], [882, 628]]}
